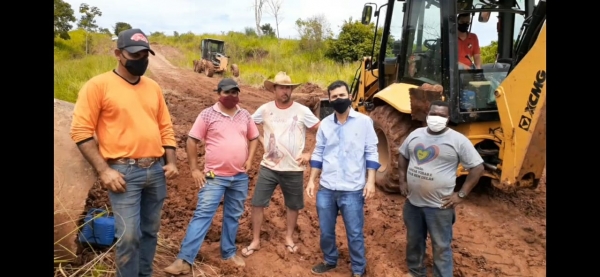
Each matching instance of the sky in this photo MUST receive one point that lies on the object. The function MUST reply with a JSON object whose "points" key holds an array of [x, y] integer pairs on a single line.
{"points": [[216, 16]]}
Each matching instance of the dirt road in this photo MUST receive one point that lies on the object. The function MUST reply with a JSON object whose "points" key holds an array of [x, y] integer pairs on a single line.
{"points": [[495, 234]]}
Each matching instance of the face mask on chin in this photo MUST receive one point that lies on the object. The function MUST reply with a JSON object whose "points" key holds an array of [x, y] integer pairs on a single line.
{"points": [[436, 123]]}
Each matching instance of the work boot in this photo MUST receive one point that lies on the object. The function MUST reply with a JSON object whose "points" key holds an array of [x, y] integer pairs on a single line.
{"points": [[178, 267], [237, 260]]}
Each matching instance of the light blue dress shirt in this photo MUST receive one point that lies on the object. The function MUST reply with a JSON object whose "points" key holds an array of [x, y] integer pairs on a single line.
{"points": [[344, 152]]}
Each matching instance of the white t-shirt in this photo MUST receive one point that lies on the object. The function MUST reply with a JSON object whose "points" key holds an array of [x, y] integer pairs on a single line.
{"points": [[284, 134]]}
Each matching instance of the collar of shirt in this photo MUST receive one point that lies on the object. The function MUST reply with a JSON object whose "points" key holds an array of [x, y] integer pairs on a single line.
{"points": [[352, 113], [218, 109]]}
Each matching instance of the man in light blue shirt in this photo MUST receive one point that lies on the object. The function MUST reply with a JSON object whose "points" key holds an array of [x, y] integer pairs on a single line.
{"points": [[346, 157]]}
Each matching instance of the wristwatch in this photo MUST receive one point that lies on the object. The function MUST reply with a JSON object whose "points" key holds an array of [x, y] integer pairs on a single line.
{"points": [[462, 194]]}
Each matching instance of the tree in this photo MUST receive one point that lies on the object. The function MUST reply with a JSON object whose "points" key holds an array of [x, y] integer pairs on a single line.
{"points": [[63, 16], [275, 10], [120, 26], [104, 31], [313, 32], [88, 21], [258, 5], [354, 42], [267, 30]]}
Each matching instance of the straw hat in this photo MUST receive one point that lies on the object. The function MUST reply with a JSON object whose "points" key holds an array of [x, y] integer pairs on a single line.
{"points": [[281, 79]]}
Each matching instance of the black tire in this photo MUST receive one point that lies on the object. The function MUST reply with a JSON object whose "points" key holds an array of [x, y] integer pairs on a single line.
{"points": [[392, 127]]}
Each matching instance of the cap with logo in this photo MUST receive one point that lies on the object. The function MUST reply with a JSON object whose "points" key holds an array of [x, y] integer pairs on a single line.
{"points": [[227, 84], [133, 41]]}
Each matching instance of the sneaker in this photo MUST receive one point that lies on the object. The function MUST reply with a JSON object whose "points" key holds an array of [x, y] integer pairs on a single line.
{"points": [[322, 268], [237, 260], [178, 267]]}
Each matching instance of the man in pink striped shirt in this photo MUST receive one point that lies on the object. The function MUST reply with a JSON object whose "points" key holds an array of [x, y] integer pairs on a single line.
{"points": [[230, 136]]}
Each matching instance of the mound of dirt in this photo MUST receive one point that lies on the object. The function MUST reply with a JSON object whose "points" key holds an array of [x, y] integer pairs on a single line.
{"points": [[493, 237], [73, 177]]}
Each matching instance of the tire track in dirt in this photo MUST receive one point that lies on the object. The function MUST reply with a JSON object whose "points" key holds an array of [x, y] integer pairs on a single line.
{"points": [[494, 235]]}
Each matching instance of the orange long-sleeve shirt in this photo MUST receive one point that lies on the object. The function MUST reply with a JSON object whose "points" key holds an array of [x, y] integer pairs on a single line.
{"points": [[130, 120]]}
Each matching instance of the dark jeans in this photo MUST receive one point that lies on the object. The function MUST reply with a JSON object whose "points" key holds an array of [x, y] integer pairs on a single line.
{"points": [[438, 222], [137, 217], [350, 205]]}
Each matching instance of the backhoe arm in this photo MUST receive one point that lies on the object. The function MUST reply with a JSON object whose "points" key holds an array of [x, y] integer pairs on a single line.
{"points": [[521, 100]]}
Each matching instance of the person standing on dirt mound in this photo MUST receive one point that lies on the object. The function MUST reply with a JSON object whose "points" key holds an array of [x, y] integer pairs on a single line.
{"points": [[345, 156], [230, 136], [129, 115], [429, 158], [284, 126]]}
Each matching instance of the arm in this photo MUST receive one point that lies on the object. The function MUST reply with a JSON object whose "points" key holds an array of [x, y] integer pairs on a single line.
{"points": [[316, 160], [253, 136], [371, 154], [197, 133], [404, 158], [311, 122], [477, 53], [191, 148], [471, 160], [165, 126], [258, 119], [85, 119]]}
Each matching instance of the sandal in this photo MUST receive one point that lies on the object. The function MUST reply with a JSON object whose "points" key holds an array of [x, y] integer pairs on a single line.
{"points": [[293, 248], [246, 255]]}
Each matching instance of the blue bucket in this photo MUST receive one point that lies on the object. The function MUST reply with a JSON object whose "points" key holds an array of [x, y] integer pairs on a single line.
{"points": [[99, 231]]}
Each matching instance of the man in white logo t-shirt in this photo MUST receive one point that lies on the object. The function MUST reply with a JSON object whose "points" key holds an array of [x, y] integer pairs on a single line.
{"points": [[284, 134]]}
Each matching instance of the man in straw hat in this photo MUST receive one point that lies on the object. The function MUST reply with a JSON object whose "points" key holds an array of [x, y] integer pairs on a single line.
{"points": [[284, 135]]}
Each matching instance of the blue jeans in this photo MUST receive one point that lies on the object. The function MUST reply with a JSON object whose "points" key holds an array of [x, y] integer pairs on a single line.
{"points": [[137, 217], [420, 220], [350, 205], [235, 191]]}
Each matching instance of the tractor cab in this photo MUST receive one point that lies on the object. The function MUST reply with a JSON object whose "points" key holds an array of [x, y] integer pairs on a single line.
{"points": [[213, 50], [426, 49]]}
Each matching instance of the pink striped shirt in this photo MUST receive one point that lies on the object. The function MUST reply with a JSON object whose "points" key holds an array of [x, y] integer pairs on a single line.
{"points": [[226, 139]]}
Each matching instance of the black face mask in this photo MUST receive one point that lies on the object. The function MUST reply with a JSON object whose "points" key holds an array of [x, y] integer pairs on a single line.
{"points": [[340, 105], [463, 27], [136, 67]]}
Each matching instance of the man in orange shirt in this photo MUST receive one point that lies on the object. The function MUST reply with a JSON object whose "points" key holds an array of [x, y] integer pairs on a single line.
{"points": [[469, 54], [230, 138], [128, 113]]}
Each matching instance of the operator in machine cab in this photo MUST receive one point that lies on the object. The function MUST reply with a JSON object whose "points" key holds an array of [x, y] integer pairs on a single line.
{"points": [[469, 54]]}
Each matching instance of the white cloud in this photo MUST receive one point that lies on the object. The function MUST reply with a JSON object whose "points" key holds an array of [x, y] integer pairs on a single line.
{"points": [[202, 16]]}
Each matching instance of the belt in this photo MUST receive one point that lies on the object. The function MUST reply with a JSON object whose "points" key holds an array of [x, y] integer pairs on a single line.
{"points": [[141, 162]]}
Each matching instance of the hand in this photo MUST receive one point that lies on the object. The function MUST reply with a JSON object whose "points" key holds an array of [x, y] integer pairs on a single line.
{"points": [[170, 170], [403, 188], [113, 180], [369, 190], [199, 178], [310, 187], [303, 159], [451, 201], [247, 165]]}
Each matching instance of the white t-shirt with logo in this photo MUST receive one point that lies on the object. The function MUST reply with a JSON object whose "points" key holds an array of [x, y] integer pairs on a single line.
{"points": [[284, 134]]}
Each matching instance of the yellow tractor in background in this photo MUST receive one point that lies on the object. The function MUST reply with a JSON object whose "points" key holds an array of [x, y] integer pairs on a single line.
{"points": [[501, 107], [213, 59]]}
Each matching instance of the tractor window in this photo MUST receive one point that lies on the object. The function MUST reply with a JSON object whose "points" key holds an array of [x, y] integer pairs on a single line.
{"points": [[425, 56], [395, 31]]}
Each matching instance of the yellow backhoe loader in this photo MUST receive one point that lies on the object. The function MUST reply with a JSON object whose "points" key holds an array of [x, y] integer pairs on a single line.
{"points": [[501, 107]]}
